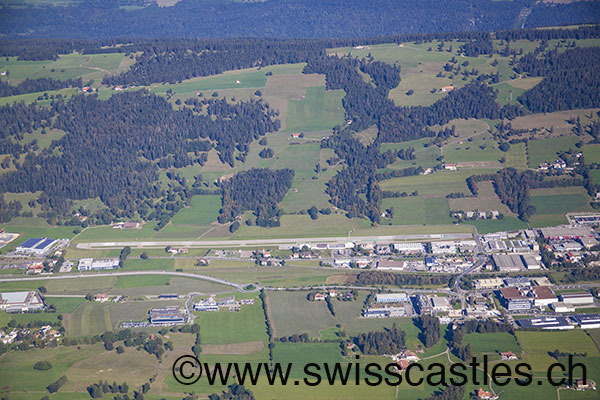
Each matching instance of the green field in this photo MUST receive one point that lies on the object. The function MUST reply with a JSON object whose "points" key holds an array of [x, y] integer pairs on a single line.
{"points": [[319, 110], [536, 345], [292, 313], [506, 224], [202, 211], [433, 185], [226, 327], [545, 150], [141, 281], [492, 342], [64, 304], [88, 319], [551, 208]]}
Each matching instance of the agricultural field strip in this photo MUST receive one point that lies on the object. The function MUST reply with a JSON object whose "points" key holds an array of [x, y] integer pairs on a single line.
{"points": [[267, 242], [176, 273]]}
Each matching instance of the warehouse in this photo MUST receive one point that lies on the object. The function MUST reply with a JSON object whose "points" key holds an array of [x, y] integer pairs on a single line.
{"points": [[587, 321], [167, 316], [565, 232], [35, 246], [577, 298], [391, 265], [21, 301], [531, 261], [543, 296], [513, 299], [97, 264], [391, 297], [546, 323], [508, 262]]}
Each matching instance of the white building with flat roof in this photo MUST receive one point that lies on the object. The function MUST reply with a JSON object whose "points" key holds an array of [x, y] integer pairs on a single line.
{"points": [[97, 264], [21, 301], [391, 297]]}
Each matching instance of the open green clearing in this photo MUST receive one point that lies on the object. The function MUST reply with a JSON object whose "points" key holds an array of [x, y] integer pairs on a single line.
{"points": [[545, 150], [492, 342], [141, 281], [292, 314], [536, 345], [551, 208], [508, 223], [319, 110], [202, 211], [226, 327], [65, 304]]}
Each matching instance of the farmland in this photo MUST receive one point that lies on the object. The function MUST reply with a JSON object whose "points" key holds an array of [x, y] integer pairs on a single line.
{"points": [[188, 195]]}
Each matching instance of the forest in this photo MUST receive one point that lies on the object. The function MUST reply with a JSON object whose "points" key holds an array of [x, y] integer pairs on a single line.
{"points": [[257, 190], [283, 18], [112, 150], [389, 341]]}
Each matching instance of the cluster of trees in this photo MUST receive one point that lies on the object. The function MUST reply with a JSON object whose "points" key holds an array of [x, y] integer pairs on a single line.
{"points": [[37, 85], [377, 278], [295, 338], [56, 385], [571, 79], [233, 392], [154, 346], [97, 390], [450, 392], [42, 366], [258, 190], [431, 331], [563, 354], [389, 341]]}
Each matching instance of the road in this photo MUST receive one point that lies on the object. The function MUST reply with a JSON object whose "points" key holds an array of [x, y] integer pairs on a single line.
{"points": [[267, 242], [238, 286]]}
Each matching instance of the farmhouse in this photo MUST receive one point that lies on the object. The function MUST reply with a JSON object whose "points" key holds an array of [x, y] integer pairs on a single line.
{"points": [[446, 89], [21, 301], [508, 356], [101, 297], [35, 246]]}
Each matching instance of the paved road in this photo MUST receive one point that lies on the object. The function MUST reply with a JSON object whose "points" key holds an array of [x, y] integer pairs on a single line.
{"points": [[268, 242], [238, 286]]}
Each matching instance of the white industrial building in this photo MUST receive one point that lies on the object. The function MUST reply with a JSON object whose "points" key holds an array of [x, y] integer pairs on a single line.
{"points": [[97, 264], [35, 246], [21, 301], [409, 247], [577, 298], [391, 297]]}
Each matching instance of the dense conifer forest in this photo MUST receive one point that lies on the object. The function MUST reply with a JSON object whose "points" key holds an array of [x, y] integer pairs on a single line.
{"points": [[284, 18]]}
